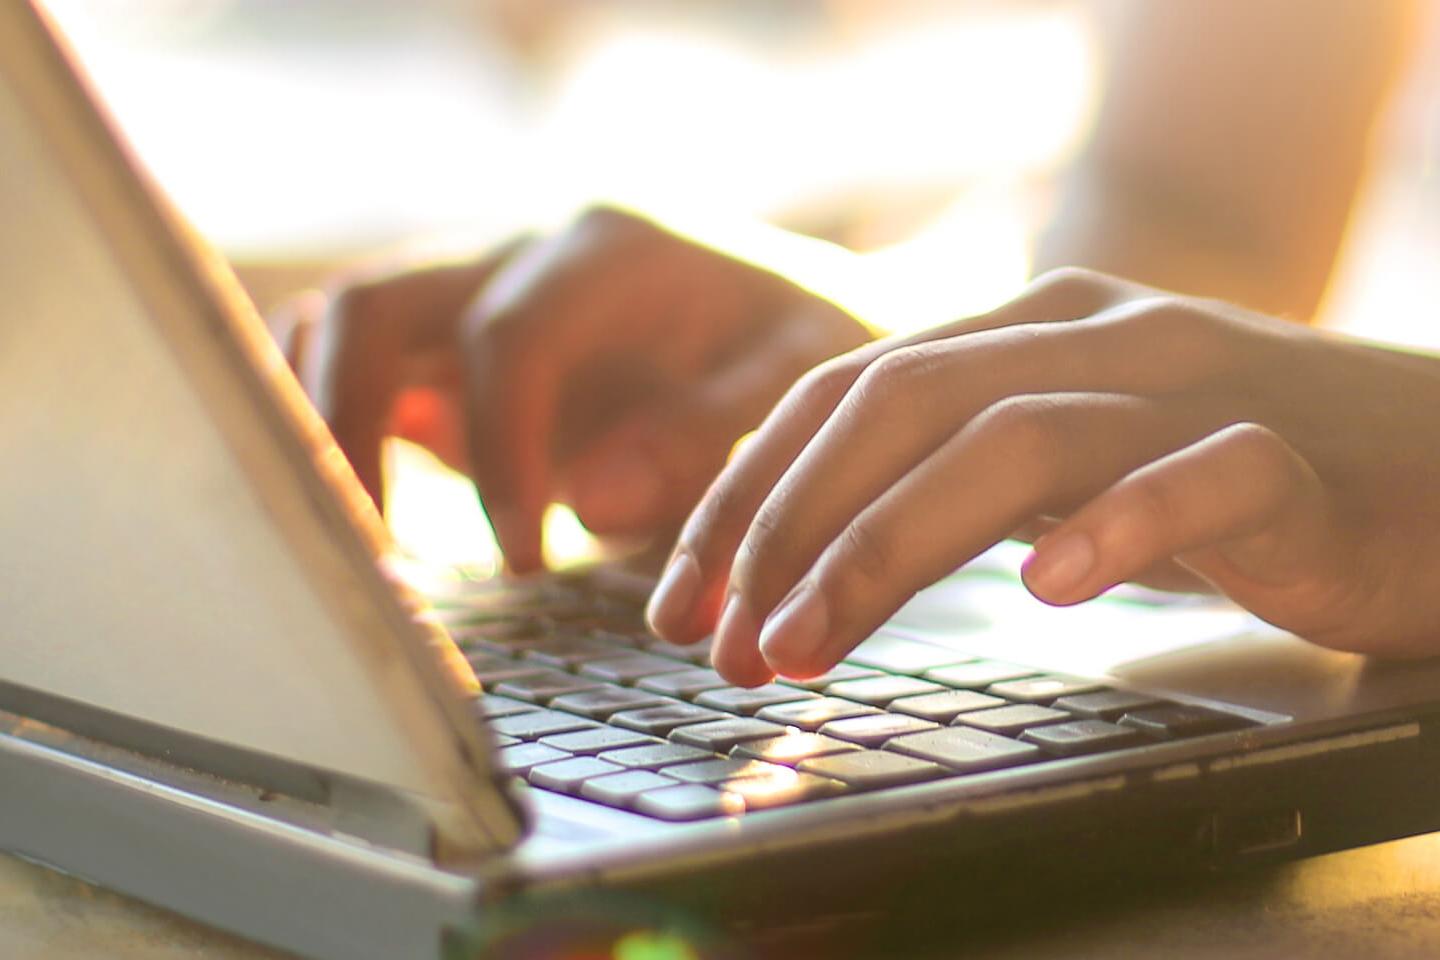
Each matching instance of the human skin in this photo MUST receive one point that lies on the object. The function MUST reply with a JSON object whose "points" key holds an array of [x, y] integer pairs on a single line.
{"points": [[1144, 435], [613, 364], [610, 366]]}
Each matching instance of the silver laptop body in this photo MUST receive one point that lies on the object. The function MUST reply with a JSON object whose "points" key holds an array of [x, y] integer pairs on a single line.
{"points": [[216, 696]]}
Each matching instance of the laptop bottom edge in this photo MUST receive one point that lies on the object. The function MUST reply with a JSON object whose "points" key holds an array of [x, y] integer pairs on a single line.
{"points": [[949, 871]]}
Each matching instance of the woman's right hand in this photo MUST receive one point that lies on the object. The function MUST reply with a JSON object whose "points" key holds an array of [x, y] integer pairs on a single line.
{"points": [[1142, 432]]}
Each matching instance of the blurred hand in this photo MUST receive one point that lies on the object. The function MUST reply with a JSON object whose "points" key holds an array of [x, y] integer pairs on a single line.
{"points": [[611, 367], [1142, 433]]}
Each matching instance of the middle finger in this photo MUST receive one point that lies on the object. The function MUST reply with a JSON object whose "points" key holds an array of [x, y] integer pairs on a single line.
{"points": [[1023, 456], [913, 400]]}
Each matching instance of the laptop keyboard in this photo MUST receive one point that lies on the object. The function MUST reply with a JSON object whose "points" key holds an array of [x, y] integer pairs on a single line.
{"points": [[584, 701]]}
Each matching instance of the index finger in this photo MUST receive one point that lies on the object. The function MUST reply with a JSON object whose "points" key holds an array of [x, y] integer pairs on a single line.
{"points": [[690, 593], [364, 353], [521, 345], [510, 391]]}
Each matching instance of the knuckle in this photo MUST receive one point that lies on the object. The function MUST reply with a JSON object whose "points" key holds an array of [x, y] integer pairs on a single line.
{"points": [[761, 551], [1189, 325], [819, 390], [890, 379], [717, 523], [866, 560], [834, 377], [1267, 458], [1071, 280], [605, 219], [1028, 433], [1157, 314], [1150, 509], [503, 330], [355, 333], [828, 382], [356, 306]]}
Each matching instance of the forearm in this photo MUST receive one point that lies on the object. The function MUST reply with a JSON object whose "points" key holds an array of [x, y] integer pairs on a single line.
{"points": [[1231, 141], [1115, 230]]}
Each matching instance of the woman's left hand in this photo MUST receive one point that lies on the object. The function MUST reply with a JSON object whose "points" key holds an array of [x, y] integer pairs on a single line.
{"points": [[1144, 435]]}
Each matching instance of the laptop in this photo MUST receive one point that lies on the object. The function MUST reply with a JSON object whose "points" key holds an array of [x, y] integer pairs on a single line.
{"points": [[219, 693]]}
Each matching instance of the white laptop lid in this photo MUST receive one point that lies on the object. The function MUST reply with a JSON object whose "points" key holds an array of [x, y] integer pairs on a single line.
{"points": [[183, 543]]}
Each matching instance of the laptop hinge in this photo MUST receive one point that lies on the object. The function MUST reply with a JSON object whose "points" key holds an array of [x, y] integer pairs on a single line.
{"points": [[330, 804], [268, 878]]}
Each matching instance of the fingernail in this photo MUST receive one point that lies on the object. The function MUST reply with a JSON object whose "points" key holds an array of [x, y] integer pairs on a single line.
{"points": [[794, 634], [737, 629], [620, 491], [669, 606], [1059, 564]]}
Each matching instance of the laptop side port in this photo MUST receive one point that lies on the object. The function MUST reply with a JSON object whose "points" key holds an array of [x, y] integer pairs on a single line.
{"points": [[1253, 832]]}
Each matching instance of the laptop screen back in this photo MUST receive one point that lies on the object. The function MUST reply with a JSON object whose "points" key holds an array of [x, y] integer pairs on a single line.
{"points": [[181, 545]]}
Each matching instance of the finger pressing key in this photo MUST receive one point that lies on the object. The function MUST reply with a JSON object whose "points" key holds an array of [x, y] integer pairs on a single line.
{"points": [[722, 520], [1024, 456]]}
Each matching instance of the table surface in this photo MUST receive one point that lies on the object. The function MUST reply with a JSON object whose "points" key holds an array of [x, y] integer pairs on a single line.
{"points": [[1374, 903]]}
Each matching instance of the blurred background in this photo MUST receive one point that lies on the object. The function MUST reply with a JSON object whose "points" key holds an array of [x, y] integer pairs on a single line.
{"points": [[327, 128], [927, 137]]}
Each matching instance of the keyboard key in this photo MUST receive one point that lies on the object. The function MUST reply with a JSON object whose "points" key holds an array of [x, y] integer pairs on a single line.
{"points": [[813, 714], [596, 741], [508, 601], [1178, 720], [841, 671], [872, 732], [725, 770], [760, 793], [619, 640], [747, 700], [545, 686], [493, 707], [659, 721], [1012, 719], [1042, 689], [601, 703], [492, 662], [1081, 736], [685, 684], [564, 610], [1105, 704], [454, 615], [569, 652], [540, 723], [566, 776], [873, 769], [493, 670], [496, 638], [501, 741], [791, 748], [695, 653], [720, 735], [965, 749], [901, 655], [519, 759], [879, 691], [946, 705], [623, 789], [516, 642], [623, 625], [656, 756], [689, 801], [629, 669], [980, 674]]}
